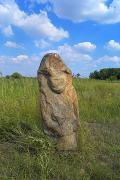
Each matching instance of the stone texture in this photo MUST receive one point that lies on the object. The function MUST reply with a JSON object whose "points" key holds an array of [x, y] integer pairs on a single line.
{"points": [[58, 101]]}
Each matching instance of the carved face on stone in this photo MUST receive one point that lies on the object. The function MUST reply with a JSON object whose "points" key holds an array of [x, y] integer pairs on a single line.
{"points": [[56, 72]]}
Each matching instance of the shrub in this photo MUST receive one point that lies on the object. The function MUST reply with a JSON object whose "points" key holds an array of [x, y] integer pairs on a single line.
{"points": [[7, 77], [16, 75]]}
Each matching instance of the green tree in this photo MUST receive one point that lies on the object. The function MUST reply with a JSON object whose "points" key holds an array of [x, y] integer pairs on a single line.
{"points": [[94, 75], [108, 73], [16, 75], [7, 77], [113, 78], [0, 74], [78, 75]]}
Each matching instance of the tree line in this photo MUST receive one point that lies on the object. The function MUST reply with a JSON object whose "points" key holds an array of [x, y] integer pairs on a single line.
{"points": [[107, 73], [16, 75], [103, 74]]}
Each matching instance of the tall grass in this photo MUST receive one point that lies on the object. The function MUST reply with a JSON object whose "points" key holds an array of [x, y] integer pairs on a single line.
{"points": [[99, 101], [26, 153]]}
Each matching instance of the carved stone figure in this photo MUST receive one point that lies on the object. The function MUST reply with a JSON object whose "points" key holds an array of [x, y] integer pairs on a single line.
{"points": [[58, 101]]}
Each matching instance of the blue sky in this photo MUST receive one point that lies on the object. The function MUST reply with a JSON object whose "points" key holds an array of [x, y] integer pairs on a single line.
{"points": [[86, 34]]}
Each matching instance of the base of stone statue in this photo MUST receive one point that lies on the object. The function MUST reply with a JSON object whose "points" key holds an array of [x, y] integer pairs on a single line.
{"points": [[67, 143]]}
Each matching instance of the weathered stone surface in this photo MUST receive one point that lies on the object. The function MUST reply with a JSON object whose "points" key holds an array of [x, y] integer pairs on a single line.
{"points": [[58, 101]]}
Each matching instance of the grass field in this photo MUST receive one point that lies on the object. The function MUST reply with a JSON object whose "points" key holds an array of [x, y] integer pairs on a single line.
{"points": [[27, 154]]}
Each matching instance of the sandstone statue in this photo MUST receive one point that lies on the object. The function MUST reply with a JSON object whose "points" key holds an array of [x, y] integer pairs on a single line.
{"points": [[58, 101]]}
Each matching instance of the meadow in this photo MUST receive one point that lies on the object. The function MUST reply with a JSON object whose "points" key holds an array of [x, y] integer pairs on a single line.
{"points": [[27, 154]]}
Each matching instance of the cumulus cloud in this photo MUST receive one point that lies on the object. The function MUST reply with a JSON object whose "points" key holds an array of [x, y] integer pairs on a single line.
{"points": [[79, 11], [20, 63], [38, 25], [86, 46], [7, 31], [113, 45], [41, 44], [20, 58], [40, 1], [76, 60], [37, 1], [84, 62], [2, 59], [71, 55], [11, 44], [111, 59]]}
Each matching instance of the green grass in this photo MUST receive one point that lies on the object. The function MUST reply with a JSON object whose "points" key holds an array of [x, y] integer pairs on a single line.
{"points": [[99, 101], [27, 154]]}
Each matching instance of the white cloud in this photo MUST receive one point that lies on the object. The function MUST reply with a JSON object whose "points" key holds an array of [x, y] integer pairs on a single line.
{"points": [[38, 25], [20, 58], [76, 60], [30, 4], [11, 44], [37, 1], [7, 31], [79, 11], [86, 46], [71, 55], [2, 59], [41, 1], [110, 59], [113, 45], [41, 44]]}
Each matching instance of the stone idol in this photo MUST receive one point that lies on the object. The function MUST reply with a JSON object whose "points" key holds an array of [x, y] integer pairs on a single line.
{"points": [[58, 102]]}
